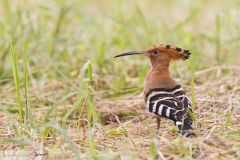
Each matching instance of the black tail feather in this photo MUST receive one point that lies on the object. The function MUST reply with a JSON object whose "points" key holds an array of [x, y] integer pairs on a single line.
{"points": [[185, 129]]}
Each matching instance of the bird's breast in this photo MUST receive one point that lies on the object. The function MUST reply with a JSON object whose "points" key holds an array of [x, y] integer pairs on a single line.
{"points": [[164, 83]]}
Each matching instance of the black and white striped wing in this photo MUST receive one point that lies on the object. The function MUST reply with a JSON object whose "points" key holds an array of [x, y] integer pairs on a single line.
{"points": [[169, 103]]}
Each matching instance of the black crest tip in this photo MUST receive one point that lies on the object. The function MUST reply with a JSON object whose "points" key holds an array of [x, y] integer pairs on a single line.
{"points": [[186, 57], [168, 46], [178, 49]]}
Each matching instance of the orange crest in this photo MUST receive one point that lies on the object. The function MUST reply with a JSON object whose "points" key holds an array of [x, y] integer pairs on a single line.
{"points": [[174, 52]]}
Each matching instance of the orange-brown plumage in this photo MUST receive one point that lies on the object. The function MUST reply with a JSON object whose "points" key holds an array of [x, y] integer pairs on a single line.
{"points": [[161, 56]]}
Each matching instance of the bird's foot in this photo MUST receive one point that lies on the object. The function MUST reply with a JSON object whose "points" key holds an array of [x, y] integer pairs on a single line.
{"points": [[189, 134], [158, 119]]}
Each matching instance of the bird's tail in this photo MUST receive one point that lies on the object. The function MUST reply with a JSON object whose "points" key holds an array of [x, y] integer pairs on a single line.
{"points": [[185, 129]]}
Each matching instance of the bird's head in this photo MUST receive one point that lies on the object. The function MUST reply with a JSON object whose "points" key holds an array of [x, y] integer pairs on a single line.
{"points": [[161, 53]]}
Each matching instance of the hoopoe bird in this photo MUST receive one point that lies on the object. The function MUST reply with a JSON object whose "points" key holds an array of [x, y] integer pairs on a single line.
{"points": [[162, 94]]}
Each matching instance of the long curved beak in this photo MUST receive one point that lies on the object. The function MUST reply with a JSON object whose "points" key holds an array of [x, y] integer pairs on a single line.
{"points": [[131, 53]]}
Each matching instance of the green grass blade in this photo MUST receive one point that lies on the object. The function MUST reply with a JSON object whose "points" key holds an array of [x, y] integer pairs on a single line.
{"points": [[25, 85], [21, 142], [154, 148], [64, 133], [92, 149], [14, 61]]}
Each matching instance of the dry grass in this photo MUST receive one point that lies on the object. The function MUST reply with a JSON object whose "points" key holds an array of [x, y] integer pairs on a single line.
{"points": [[128, 130]]}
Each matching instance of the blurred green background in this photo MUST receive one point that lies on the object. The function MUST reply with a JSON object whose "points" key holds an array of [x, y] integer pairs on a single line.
{"points": [[62, 35]]}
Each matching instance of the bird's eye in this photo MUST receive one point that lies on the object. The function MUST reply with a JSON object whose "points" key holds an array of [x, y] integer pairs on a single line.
{"points": [[155, 52]]}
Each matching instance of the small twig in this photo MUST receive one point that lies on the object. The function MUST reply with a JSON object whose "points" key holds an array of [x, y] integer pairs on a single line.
{"points": [[161, 156], [190, 150], [210, 133]]}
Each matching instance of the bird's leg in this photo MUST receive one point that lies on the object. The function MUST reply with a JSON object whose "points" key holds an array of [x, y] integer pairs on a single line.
{"points": [[158, 122]]}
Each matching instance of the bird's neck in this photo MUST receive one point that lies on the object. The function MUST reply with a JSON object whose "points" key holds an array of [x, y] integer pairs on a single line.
{"points": [[160, 69], [159, 77]]}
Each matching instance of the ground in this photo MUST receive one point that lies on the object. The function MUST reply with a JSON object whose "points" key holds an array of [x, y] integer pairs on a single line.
{"points": [[78, 102]]}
